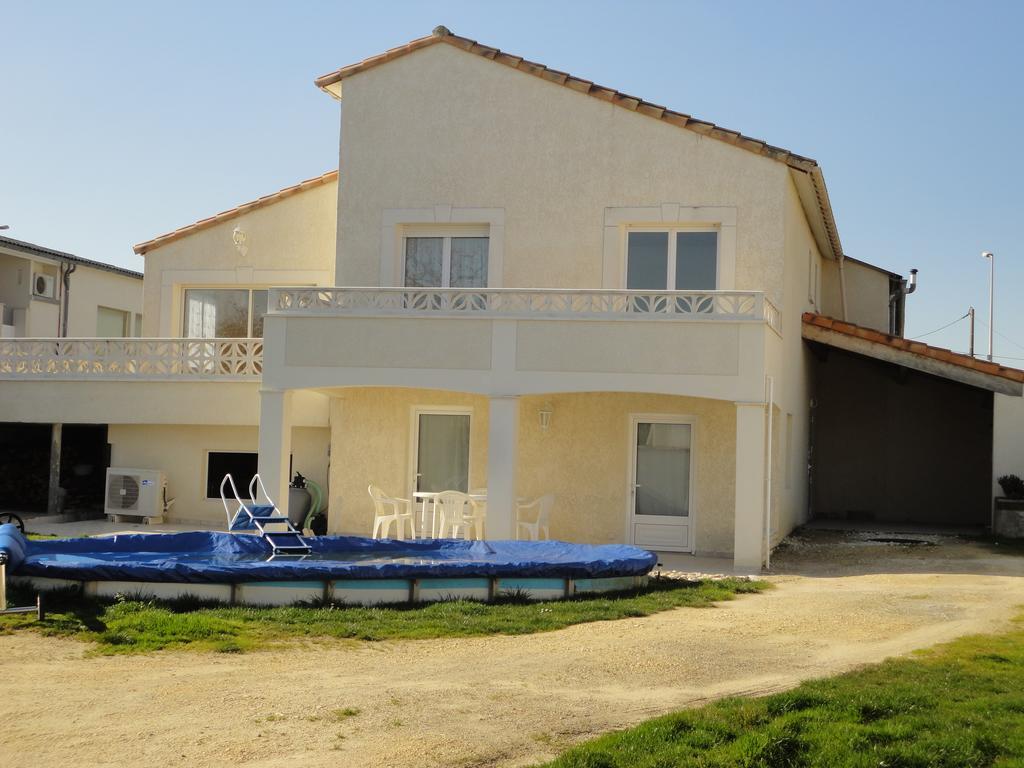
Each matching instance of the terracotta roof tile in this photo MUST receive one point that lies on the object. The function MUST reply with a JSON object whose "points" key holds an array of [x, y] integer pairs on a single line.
{"points": [[238, 210], [632, 103], [914, 347]]}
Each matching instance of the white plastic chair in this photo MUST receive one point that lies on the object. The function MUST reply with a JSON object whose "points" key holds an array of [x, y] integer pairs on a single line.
{"points": [[539, 525], [458, 514], [388, 510]]}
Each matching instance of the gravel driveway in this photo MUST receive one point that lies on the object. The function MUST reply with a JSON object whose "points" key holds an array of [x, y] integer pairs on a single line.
{"points": [[841, 601]]}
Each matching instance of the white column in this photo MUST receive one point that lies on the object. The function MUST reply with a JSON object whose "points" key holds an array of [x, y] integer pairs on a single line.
{"points": [[275, 444], [502, 463], [748, 538]]}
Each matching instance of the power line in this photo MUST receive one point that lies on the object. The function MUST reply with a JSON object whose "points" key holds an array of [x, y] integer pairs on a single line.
{"points": [[947, 325], [1003, 336]]}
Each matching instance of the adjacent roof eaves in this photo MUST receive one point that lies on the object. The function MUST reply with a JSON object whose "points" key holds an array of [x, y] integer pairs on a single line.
{"points": [[238, 210], [913, 347], [37, 250], [875, 267], [632, 103]]}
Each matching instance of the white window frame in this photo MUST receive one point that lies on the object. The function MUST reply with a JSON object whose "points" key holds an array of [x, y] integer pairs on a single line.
{"points": [[414, 439], [632, 421], [619, 219], [397, 223], [446, 234], [670, 281]]}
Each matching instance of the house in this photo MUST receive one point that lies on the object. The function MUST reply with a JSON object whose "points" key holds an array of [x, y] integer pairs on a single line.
{"points": [[175, 401], [524, 281], [49, 294]]}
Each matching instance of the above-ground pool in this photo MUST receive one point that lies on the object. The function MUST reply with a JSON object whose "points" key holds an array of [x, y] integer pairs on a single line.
{"points": [[240, 568]]}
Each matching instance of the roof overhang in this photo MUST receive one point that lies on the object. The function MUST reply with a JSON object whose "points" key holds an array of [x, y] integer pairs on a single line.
{"points": [[913, 354], [51, 256]]}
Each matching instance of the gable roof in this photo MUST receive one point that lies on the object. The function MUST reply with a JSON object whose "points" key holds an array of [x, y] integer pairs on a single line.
{"points": [[913, 354], [235, 212], [31, 249], [813, 195]]}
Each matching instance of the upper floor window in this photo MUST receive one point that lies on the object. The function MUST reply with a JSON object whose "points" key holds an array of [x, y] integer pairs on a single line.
{"points": [[446, 262], [214, 313], [672, 259], [112, 323]]}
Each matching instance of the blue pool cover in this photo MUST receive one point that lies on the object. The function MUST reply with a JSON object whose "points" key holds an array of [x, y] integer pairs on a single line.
{"points": [[206, 557]]}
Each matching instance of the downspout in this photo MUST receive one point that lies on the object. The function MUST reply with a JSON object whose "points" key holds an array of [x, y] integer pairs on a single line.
{"points": [[769, 398], [842, 287], [66, 283]]}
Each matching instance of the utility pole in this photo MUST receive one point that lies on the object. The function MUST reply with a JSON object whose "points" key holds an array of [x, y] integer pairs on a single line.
{"points": [[970, 314], [991, 294]]}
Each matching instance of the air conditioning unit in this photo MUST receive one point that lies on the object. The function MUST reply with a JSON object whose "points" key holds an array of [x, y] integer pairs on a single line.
{"points": [[135, 493], [44, 285]]}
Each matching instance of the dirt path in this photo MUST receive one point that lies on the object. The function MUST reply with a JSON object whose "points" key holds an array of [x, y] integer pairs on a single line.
{"points": [[507, 701]]}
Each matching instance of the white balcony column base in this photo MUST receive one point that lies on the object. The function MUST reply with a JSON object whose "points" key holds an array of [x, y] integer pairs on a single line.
{"points": [[748, 541], [275, 444], [502, 466]]}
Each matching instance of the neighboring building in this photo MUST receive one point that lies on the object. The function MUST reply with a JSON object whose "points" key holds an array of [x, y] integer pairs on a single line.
{"points": [[547, 287], [175, 401], [47, 294]]}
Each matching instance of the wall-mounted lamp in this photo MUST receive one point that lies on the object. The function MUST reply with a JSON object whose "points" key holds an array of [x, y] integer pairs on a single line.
{"points": [[239, 238], [545, 416]]}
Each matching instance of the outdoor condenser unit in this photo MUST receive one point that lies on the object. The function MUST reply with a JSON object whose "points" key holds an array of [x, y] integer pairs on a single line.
{"points": [[135, 492]]}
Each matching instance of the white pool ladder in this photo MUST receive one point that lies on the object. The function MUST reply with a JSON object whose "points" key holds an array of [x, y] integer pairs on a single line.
{"points": [[263, 514]]}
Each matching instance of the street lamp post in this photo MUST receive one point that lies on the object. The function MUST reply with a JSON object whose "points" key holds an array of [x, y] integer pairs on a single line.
{"points": [[991, 294]]}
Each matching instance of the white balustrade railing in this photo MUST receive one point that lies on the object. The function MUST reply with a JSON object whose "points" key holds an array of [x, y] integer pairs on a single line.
{"points": [[131, 359], [527, 304]]}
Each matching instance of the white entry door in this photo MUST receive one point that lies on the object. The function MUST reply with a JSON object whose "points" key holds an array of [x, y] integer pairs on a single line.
{"points": [[660, 515], [441, 451]]}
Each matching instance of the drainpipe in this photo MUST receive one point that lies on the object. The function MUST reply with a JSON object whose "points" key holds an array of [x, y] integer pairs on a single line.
{"points": [[769, 398], [898, 305], [842, 287], [66, 283]]}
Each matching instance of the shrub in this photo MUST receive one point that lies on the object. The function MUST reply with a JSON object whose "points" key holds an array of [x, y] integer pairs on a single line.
{"points": [[1012, 485]]}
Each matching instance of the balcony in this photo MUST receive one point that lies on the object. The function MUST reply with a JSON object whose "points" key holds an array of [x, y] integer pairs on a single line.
{"points": [[533, 304], [510, 341], [131, 359]]}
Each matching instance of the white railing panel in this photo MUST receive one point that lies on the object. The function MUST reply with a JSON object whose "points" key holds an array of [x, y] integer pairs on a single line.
{"points": [[734, 306], [132, 359]]}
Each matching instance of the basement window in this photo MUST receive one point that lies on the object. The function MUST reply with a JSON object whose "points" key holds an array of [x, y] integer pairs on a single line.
{"points": [[241, 465]]}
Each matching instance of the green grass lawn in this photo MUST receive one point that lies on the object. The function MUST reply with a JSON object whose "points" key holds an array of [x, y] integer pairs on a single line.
{"points": [[959, 705], [131, 626]]}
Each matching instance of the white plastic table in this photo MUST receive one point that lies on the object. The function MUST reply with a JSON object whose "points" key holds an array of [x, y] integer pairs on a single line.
{"points": [[426, 499]]}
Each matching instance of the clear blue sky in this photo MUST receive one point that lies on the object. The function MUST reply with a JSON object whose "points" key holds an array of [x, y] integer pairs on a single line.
{"points": [[120, 121]]}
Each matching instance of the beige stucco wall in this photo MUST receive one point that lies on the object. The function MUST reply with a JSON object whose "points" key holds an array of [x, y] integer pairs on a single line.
{"points": [[147, 402], [90, 288], [867, 294], [792, 373], [94, 288], [487, 136], [180, 451], [1007, 445], [290, 242], [583, 458]]}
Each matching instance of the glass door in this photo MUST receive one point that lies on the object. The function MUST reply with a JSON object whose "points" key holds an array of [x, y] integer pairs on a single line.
{"points": [[442, 452], [660, 488]]}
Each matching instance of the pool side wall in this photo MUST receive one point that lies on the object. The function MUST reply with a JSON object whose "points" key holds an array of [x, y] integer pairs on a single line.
{"points": [[348, 591]]}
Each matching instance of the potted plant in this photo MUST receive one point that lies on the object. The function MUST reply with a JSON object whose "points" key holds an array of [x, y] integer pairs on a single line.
{"points": [[1008, 515]]}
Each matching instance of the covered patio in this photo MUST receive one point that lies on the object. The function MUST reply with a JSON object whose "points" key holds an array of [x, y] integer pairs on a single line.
{"points": [[557, 392]]}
